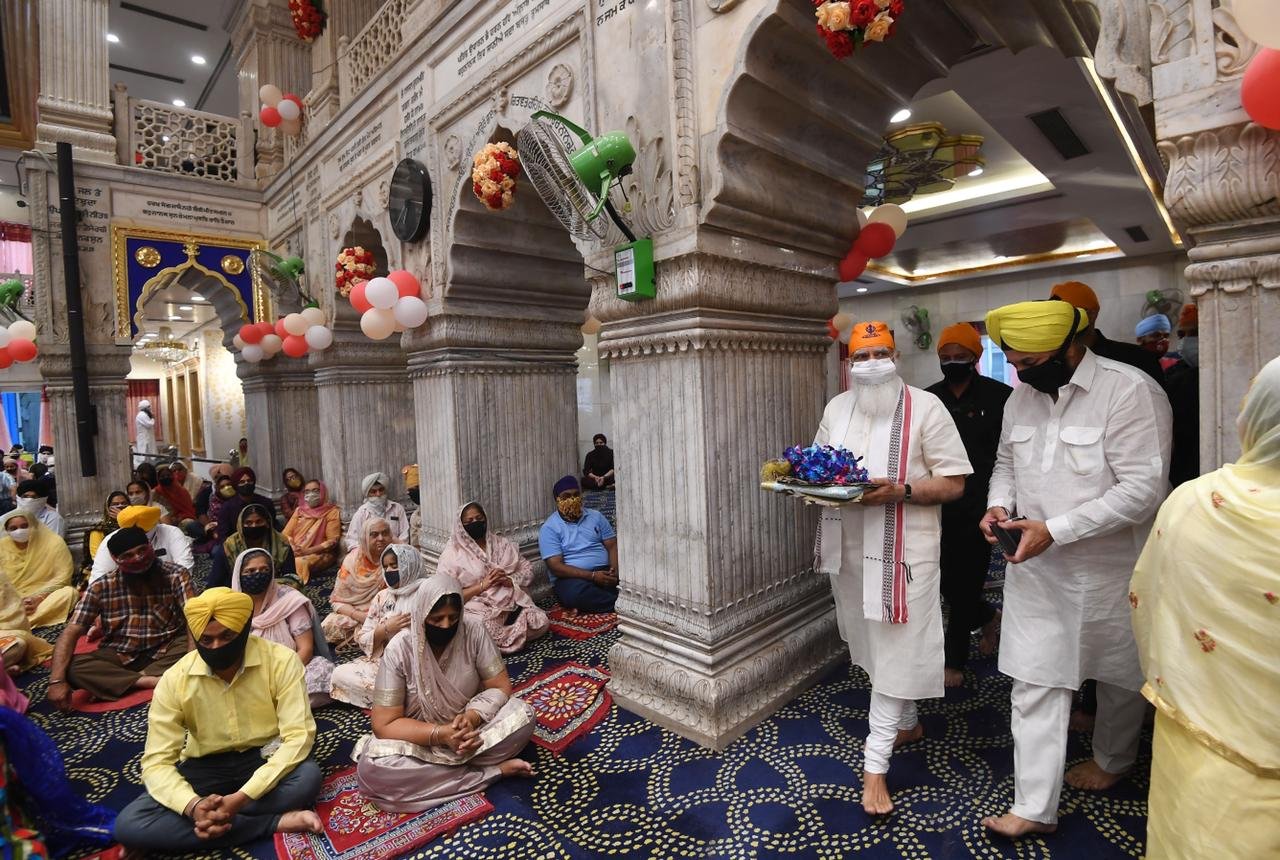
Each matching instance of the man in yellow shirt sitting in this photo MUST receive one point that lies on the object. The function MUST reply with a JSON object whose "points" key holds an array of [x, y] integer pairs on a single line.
{"points": [[228, 699]]}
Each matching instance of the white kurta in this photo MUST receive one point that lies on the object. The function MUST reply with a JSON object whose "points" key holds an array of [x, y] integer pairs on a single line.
{"points": [[903, 660], [394, 515], [171, 539], [1094, 466], [145, 425]]}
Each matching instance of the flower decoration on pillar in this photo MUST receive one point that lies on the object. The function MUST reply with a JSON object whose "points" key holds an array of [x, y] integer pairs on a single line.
{"points": [[846, 25], [308, 18], [354, 266], [494, 171]]}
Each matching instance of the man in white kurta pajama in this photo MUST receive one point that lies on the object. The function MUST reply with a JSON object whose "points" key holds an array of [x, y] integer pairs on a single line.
{"points": [[883, 554], [1084, 456]]}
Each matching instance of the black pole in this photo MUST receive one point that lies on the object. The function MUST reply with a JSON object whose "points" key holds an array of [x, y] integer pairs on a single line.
{"points": [[86, 427]]}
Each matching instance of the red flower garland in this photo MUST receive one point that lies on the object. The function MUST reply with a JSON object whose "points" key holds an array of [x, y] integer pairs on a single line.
{"points": [[354, 264], [308, 18], [846, 24], [494, 171]]}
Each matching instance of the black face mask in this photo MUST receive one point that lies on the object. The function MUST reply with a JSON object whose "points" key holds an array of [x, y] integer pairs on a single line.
{"points": [[477, 530], [956, 371], [255, 582], [413, 496], [392, 577], [1051, 375], [164, 482], [220, 659], [439, 637], [246, 490]]}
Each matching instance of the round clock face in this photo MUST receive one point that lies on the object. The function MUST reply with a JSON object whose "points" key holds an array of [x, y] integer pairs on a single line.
{"points": [[409, 205]]}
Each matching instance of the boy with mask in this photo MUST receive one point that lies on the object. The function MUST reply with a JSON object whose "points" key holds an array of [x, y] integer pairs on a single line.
{"points": [[209, 786], [138, 607], [581, 552], [377, 505], [976, 404], [33, 500]]}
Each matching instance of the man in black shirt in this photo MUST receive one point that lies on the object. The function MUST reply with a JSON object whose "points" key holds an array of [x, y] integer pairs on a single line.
{"points": [[1182, 382], [1083, 297], [976, 404]]}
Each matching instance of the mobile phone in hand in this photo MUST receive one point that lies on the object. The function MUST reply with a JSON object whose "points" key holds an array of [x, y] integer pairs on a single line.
{"points": [[1008, 540]]}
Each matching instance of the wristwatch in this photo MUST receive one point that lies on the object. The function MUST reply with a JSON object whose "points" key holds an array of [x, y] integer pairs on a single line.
{"points": [[906, 493]]}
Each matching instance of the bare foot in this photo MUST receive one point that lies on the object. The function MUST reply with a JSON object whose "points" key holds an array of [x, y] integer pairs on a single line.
{"points": [[909, 736], [990, 635], [952, 677], [1015, 826], [1088, 775], [299, 821], [147, 682], [1080, 722], [570, 613], [516, 767], [875, 794]]}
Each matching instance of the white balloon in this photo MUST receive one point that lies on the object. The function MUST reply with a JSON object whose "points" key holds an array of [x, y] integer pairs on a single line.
{"points": [[893, 215], [239, 344], [288, 109], [399, 328], [296, 324], [314, 317], [1259, 21], [841, 322], [22, 329], [270, 95], [252, 353], [378, 323], [382, 293], [271, 344], [862, 218], [319, 337], [410, 311]]}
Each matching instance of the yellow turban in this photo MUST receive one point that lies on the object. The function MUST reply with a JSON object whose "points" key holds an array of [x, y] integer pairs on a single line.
{"points": [[870, 334], [1034, 326], [231, 609], [145, 517], [962, 334], [410, 476]]}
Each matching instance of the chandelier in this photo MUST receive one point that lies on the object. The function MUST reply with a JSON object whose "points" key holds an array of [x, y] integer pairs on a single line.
{"points": [[920, 159], [165, 349]]}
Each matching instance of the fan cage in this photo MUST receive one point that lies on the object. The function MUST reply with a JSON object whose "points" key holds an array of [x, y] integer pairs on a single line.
{"points": [[544, 157]]}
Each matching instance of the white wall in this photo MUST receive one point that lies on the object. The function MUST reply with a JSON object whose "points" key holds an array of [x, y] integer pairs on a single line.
{"points": [[595, 399], [223, 406], [1121, 286]]}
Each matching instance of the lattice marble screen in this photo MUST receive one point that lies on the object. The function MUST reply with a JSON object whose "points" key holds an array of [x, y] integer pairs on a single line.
{"points": [[185, 142], [375, 45]]}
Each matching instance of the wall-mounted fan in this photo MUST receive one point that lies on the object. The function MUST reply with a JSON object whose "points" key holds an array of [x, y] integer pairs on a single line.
{"points": [[1167, 301], [282, 275], [916, 319]]}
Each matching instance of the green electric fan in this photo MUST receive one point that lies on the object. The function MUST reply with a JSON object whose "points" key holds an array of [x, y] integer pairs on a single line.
{"points": [[283, 277], [573, 173]]}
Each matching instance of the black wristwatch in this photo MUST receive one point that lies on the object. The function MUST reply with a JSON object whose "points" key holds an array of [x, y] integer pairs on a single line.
{"points": [[906, 494]]}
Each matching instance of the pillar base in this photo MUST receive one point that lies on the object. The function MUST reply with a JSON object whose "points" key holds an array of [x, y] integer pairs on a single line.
{"points": [[713, 693]]}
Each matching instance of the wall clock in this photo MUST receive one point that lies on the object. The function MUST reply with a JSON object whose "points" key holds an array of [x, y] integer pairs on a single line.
{"points": [[409, 204]]}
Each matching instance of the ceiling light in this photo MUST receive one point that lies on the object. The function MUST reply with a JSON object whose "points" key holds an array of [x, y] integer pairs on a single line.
{"points": [[977, 171], [179, 103], [174, 318], [164, 138], [113, 38], [901, 116], [862, 289], [197, 59], [185, 308]]}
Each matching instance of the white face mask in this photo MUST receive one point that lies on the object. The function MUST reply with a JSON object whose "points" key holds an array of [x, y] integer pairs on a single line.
{"points": [[312, 498], [137, 499], [31, 506], [378, 504], [875, 371], [20, 535]]}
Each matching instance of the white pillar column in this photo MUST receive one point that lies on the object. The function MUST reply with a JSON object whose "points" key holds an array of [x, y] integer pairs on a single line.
{"points": [[74, 104]]}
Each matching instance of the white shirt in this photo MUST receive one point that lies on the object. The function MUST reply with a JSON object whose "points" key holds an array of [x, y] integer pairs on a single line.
{"points": [[394, 515], [1094, 466], [176, 546], [53, 521]]}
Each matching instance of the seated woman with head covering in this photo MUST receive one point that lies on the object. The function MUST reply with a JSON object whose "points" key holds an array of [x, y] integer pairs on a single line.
{"points": [[292, 497], [254, 531], [315, 529], [283, 614], [359, 580], [20, 649], [494, 577], [175, 499], [245, 481], [39, 565], [209, 499], [117, 501], [377, 504], [389, 613], [444, 721]]}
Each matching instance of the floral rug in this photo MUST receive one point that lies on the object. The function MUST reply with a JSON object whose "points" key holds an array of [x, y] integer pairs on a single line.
{"points": [[582, 625], [355, 829], [569, 701]]}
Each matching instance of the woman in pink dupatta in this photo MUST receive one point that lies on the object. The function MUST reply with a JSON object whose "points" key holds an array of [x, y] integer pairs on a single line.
{"points": [[494, 577], [389, 613], [359, 581], [284, 615], [315, 529], [445, 724]]}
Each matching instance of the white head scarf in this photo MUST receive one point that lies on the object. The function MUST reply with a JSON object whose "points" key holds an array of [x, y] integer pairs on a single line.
{"points": [[1259, 421], [376, 478]]}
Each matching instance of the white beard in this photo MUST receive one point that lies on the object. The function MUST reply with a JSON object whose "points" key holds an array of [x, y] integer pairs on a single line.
{"points": [[876, 401]]}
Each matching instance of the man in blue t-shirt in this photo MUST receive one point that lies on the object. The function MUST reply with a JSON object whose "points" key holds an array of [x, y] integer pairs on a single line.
{"points": [[581, 552]]}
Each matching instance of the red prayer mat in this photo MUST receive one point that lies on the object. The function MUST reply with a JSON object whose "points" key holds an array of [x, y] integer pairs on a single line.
{"points": [[569, 701], [582, 625], [355, 829], [82, 702]]}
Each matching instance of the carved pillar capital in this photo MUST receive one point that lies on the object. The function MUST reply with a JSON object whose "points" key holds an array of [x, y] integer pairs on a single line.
{"points": [[75, 95], [1224, 176]]}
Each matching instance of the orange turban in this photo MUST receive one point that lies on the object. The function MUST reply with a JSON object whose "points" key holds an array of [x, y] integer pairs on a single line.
{"points": [[1189, 318], [1077, 295], [962, 334], [870, 334]]}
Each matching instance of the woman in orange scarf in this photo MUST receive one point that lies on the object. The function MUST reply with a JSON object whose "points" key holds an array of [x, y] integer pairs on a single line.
{"points": [[315, 528], [359, 581]]}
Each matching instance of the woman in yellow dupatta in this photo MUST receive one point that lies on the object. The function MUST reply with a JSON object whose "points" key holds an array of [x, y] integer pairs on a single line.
{"points": [[39, 566], [1206, 613], [20, 649]]}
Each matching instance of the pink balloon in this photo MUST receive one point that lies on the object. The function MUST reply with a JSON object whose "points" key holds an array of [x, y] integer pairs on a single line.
{"points": [[1260, 89], [405, 282], [278, 329], [358, 301], [270, 116], [295, 346], [265, 328], [6, 359], [21, 349], [249, 333]]}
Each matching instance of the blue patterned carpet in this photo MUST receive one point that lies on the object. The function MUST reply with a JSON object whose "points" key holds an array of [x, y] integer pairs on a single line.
{"points": [[790, 788]]}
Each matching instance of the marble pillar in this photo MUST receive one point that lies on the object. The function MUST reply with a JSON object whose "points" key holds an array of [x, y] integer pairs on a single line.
{"points": [[268, 51], [281, 405], [75, 89], [722, 618]]}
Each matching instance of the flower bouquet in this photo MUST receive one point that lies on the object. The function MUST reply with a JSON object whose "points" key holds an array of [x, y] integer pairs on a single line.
{"points": [[820, 474], [354, 265], [494, 171], [308, 18], [845, 25]]}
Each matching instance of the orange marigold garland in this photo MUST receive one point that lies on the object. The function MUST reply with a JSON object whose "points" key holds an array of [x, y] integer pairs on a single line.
{"points": [[354, 265], [494, 171], [846, 25]]}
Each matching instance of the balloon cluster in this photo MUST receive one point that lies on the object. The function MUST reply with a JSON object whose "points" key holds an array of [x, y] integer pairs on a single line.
{"points": [[823, 464], [389, 305], [280, 109], [17, 343], [877, 235], [839, 327], [294, 334], [1260, 89]]}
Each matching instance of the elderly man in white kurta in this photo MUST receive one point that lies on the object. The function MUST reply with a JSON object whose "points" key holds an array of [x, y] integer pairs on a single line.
{"points": [[883, 553], [1084, 457]]}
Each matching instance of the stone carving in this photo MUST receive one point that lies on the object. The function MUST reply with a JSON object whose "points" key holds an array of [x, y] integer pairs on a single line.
{"points": [[1123, 52], [1223, 175], [721, 5], [651, 198], [1172, 30], [384, 193], [335, 229], [374, 47], [1232, 48], [1234, 276], [452, 151], [559, 85], [685, 101]]}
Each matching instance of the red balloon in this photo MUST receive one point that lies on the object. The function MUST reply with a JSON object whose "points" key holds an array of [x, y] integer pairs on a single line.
{"points": [[279, 329], [1260, 89], [264, 328], [832, 332], [249, 333], [5, 358], [295, 346], [875, 240], [270, 116], [21, 349], [852, 266], [405, 282], [358, 301], [290, 97]]}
